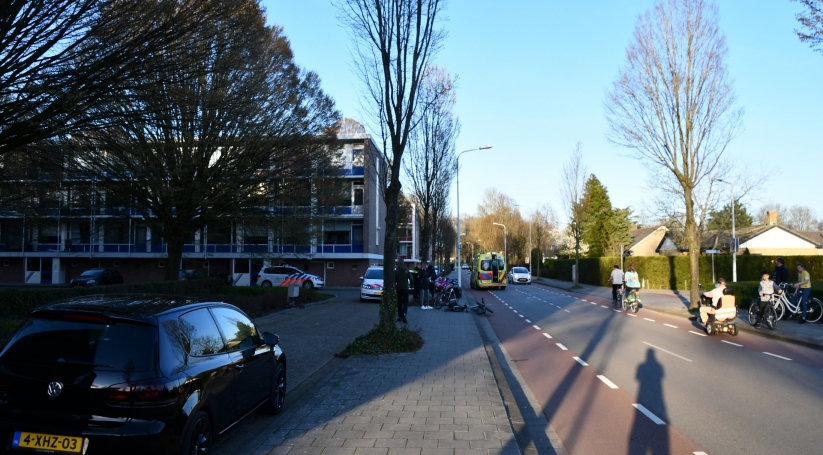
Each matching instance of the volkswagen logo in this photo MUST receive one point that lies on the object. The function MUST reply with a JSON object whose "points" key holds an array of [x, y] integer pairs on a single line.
{"points": [[55, 389]]}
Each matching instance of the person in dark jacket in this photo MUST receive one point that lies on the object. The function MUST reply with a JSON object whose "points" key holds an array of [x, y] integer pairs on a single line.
{"points": [[401, 283], [781, 272], [415, 274], [431, 275]]}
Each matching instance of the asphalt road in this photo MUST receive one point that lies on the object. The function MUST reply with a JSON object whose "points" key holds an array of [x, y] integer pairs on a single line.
{"points": [[653, 383]]}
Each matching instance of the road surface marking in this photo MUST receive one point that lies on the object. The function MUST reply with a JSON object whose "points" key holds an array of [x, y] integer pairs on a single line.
{"points": [[649, 414], [585, 300], [775, 355], [547, 335], [617, 310], [567, 311], [733, 344], [697, 333], [529, 321], [667, 352], [580, 361], [562, 347], [669, 325], [521, 315], [632, 315], [514, 310], [606, 381], [536, 327], [649, 319], [604, 306], [700, 453], [593, 303]]}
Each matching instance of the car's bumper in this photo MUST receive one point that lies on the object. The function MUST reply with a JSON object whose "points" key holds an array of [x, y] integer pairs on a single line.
{"points": [[521, 280], [371, 294]]}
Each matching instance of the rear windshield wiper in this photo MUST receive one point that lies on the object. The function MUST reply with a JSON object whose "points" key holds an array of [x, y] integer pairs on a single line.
{"points": [[63, 361]]}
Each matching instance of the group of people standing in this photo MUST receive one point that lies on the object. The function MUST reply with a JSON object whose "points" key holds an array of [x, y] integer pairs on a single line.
{"points": [[420, 279]]}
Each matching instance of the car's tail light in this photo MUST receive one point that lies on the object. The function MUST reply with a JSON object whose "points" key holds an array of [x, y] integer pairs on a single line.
{"points": [[153, 392]]}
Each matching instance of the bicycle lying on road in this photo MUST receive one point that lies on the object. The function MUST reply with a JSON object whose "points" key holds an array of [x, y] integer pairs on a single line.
{"points": [[481, 309], [813, 306], [769, 315]]}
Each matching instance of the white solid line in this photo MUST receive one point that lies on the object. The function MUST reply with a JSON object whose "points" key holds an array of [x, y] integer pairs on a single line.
{"points": [[606, 381], [669, 325], [775, 355], [649, 319], [546, 335], [632, 315], [697, 333], [562, 347], [521, 315], [567, 311], [536, 327], [667, 352], [733, 344], [649, 414], [528, 321], [580, 361]]}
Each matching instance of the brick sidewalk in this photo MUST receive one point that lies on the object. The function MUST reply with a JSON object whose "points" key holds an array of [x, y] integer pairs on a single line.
{"points": [[441, 400]]}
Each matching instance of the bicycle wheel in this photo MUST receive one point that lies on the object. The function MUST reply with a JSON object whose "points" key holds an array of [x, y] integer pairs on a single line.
{"points": [[753, 310], [438, 303], [779, 310], [769, 317], [624, 303], [635, 305], [814, 309]]}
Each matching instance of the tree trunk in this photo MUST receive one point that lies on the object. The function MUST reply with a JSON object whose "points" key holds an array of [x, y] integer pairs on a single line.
{"points": [[425, 236], [576, 274], [388, 304], [693, 241], [174, 248]]}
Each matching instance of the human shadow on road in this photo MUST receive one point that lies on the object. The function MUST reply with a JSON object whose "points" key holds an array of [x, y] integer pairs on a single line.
{"points": [[647, 437]]}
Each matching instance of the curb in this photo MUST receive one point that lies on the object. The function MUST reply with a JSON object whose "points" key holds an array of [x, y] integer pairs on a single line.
{"points": [[743, 327]]}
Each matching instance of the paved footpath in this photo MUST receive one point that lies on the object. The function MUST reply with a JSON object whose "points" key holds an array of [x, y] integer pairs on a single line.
{"points": [[442, 400]]}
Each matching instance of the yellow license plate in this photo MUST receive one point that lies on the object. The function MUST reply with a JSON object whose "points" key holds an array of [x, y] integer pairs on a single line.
{"points": [[523, 279], [378, 293], [47, 442]]}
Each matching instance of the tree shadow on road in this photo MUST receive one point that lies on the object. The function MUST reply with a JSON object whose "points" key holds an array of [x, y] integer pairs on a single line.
{"points": [[647, 436]]}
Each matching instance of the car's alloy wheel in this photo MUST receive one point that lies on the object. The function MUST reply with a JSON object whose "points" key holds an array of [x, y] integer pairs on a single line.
{"points": [[266, 284], [308, 284], [277, 395], [199, 437]]}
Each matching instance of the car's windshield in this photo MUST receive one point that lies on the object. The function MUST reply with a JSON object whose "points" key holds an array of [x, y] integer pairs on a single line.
{"points": [[520, 270], [374, 274], [92, 273]]}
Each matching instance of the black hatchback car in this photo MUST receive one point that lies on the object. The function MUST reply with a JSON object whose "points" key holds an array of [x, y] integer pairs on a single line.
{"points": [[138, 374], [97, 277]]}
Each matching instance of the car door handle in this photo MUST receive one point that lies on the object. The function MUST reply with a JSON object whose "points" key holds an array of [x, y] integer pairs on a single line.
{"points": [[238, 366]]}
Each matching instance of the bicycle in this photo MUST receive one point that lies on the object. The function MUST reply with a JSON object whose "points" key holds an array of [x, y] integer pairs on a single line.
{"points": [[619, 301], [448, 297], [814, 308], [769, 316], [631, 301], [481, 309]]}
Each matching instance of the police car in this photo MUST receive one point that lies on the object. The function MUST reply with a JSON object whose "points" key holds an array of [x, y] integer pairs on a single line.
{"points": [[284, 275], [372, 286]]}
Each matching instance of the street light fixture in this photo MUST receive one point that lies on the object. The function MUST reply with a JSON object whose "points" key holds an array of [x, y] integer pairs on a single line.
{"points": [[457, 177], [734, 245], [505, 248]]}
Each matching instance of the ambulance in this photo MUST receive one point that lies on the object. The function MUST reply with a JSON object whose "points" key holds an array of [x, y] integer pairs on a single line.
{"points": [[484, 266]]}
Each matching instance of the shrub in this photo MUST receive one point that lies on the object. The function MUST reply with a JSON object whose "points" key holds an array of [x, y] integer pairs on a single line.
{"points": [[376, 342]]}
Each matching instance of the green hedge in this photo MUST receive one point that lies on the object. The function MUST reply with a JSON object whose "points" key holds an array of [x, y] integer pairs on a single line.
{"points": [[16, 303]]}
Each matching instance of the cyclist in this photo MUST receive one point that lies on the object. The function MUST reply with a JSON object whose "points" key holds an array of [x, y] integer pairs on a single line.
{"points": [[804, 287], [616, 279], [766, 290], [632, 280]]}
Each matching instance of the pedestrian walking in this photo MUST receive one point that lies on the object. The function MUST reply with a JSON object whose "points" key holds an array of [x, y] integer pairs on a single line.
{"points": [[401, 283]]}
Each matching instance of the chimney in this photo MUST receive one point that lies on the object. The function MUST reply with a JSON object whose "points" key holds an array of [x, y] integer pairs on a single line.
{"points": [[771, 216]]}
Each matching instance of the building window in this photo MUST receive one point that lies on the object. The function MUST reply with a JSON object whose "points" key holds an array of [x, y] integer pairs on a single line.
{"points": [[161, 264], [115, 232], [47, 233], [337, 233], [329, 265], [117, 263]]}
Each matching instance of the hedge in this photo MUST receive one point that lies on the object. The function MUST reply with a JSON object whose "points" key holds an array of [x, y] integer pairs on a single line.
{"points": [[672, 272]]}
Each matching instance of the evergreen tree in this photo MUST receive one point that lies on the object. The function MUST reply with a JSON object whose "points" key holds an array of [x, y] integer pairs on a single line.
{"points": [[620, 229], [597, 215], [722, 219]]}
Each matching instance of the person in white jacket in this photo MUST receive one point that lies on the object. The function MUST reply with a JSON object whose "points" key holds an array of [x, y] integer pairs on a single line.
{"points": [[715, 294]]}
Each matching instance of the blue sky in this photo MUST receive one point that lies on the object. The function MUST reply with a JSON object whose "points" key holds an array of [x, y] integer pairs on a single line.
{"points": [[532, 78]]}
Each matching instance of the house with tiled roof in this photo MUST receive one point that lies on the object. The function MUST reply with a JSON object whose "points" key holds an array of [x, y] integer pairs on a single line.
{"points": [[652, 241]]}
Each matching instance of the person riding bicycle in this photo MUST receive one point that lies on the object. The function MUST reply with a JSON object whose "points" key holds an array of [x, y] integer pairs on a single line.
{"points": [[804, 288], [616, 279], [766, 291], [632, 280], [715, 294]]}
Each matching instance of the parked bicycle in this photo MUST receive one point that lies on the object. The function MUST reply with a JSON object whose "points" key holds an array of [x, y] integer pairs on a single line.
{"points": [[631, 302], [481, 309], [786, 303], [769, 315]]}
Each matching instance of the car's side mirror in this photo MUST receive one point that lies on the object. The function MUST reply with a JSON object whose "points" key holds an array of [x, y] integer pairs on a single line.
{"points": [[271, 339]]}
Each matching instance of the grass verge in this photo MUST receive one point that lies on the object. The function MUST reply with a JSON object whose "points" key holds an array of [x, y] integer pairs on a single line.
{"points": [[376, 342]]}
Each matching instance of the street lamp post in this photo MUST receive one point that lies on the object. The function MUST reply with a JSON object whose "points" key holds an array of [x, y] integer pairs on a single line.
{"points": [[505, 248], [734, 244], [457, 177]]}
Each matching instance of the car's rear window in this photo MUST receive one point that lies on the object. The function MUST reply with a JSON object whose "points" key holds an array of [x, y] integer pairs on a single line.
{"points": [[374, 274], [120, 347]]}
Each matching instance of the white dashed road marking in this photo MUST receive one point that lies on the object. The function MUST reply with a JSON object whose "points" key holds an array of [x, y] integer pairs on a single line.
{"points": [[649, 319], [604, 306], [562, 347], [775, 355], [649, 414], [593, 303], [700, 453], [632, 315], [669, 325], [733, 344], [546, 335], [521, 315], [528, 321], [536, 327], [606, 381], [667, 351], [697, 333], [580, 361], [567, 311]]}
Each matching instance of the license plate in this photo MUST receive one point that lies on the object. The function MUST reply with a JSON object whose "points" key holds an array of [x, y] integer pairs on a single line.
{"points": [[523, 280], [47, 442], [378, 293]]}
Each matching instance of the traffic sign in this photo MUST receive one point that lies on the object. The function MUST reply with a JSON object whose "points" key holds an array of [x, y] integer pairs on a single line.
{"points": [[712, 251]]}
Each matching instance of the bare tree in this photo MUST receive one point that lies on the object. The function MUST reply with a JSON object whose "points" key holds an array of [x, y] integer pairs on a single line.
{"points": [[350, 126], [394, 43], [572, 185], [781, 211], [544, 224], [812, 21], [430, 162], [801, 218], [673, 102]]}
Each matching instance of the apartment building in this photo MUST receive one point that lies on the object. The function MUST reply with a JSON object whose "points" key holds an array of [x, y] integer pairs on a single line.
{"points": [[55, 236]]}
